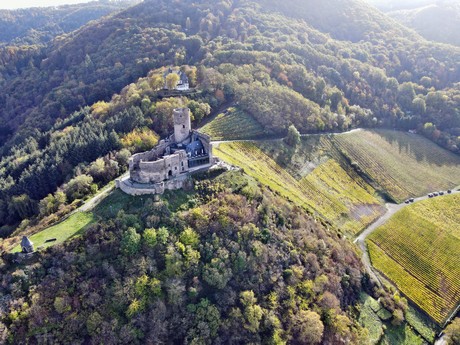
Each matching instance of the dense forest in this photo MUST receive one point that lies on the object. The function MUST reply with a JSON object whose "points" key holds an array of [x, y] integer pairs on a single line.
{"points": [[73, 111], [37, 26], [193, 269], [436, 20]]}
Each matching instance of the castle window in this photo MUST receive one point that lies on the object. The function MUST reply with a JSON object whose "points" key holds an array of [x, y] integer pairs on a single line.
{"points": [[175, 168], [183, 126]]}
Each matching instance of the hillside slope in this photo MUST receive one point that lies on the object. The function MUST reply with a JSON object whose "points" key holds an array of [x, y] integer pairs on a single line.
{"points": [[40, 25], [437, 21], [278, 69], [194, 267], [417, 249]]}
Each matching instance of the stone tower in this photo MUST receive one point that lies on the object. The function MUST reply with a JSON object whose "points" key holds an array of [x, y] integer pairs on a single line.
{"points": [[182, 124]]}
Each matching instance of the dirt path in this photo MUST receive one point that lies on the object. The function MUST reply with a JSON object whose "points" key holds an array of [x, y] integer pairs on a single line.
{"points": [[361, 239], [94, 201], [279, 138]]}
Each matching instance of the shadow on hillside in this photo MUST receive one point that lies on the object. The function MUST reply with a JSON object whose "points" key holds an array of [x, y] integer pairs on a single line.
{"points": [[420, 148]]}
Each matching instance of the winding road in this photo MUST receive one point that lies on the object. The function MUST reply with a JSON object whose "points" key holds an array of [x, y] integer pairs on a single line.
{"points": [[391, 210]]}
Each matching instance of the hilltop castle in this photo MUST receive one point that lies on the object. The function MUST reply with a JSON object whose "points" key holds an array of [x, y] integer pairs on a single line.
{"points": [[170, 163]]}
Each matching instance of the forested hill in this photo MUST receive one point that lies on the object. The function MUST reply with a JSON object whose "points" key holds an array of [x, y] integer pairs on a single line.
{"points": [[275, 64], [438, 21], [352, 20], [40, 25]]}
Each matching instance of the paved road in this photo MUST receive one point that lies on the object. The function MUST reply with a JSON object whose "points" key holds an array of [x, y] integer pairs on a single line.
{"points": [[361, 239]]}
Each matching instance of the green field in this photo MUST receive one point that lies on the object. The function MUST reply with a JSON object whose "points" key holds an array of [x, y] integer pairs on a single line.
{"points": [[401, 164], [72, 226], [418, 249], [327, 190], [234, 125]]}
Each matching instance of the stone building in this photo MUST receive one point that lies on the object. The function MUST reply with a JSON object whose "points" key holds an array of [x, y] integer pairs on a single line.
{"points": [[168, 165], [182, 84], [27, 245]]}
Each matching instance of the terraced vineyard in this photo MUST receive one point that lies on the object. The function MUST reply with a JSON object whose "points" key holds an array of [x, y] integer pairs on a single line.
{"points": [[418, 249], [234, 125], [328, 190], [402, 164]]}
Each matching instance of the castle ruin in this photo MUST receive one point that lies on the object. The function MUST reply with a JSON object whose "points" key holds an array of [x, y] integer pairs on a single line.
{"points": [[170, 163]]}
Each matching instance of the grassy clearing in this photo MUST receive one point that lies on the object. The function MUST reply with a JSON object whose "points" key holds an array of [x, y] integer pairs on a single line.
{"points": [[328, 190], [71, 227], [369, 319], [418, 250], [377, 320], [402, 164], [401, 335], [234, 125], [425, 327]]}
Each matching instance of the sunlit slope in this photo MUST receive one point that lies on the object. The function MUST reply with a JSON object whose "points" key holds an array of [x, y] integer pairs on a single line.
{"points": [[418, 249], [328, 190], [233, 124], [402, 164]]}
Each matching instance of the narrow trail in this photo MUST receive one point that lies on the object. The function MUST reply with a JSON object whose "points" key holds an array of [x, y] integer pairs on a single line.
{"points": [[279, 138], [391, 210]]}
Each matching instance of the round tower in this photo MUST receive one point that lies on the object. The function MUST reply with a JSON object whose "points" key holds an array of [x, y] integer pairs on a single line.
{"points": [[182, 124]]}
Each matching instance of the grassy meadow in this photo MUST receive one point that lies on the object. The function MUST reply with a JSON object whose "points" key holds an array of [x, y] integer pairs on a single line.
{"points": [[72, 226], [418, 249], [403, 165]]}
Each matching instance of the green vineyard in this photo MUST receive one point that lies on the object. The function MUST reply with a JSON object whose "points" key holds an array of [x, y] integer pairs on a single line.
{"points": [[401, 164], [328, 190], [234, 125], [418, 249]]}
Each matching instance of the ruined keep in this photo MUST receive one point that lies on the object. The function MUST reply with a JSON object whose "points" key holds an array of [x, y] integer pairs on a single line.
{"points": [[169, 164]]}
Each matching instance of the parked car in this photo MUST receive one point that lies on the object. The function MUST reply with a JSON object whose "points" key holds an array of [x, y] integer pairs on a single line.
{"points": [[430, 195], [435, 194], [411, 200], [441, 193], [407, 201], [449, 191]]}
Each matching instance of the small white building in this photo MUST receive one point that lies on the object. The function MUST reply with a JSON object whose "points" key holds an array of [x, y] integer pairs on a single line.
{"points": [[182, 84]]}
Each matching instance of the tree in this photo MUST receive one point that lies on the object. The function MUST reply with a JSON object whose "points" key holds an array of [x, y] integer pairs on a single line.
{"points": [[188, 237], [398, 317], [171, 81], [406, 95], [130, 242], [78, 187], [252, 312], [307, 328], [22, 206], [293, 136], [156, 82], [453, 332], [206, 321], [150, 238], [419, 106]]}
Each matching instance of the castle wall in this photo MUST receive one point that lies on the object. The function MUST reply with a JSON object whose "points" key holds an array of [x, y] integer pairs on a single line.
{"points": [[168, 164], [155, 188], [162, 169], [206, 140]]}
